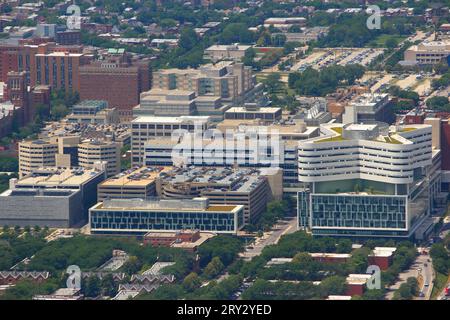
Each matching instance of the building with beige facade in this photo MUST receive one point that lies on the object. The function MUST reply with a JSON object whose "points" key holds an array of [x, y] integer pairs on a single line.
{"points": [[90, 152], [431, 52], [229, 80], [36, 154], [233, 52], [139, 183], [172, 103]]}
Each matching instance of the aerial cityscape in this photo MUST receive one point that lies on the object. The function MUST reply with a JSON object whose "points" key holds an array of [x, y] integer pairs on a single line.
{"points": [[232, 150]]}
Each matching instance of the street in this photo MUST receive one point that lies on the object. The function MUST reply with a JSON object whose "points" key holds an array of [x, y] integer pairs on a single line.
{"points": [[285, 226], [422, 269]]}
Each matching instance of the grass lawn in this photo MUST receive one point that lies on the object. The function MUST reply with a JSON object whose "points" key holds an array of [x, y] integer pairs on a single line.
{"points": [[380, 41], [439, 284]]}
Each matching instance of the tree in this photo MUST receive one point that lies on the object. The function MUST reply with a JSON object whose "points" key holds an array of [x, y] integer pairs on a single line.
{"points": [[191, 282], [407, 290], [188, 39], [224, 247], [302, 257], [236, 32], [272, 83], [319, 83], [108, 286], [132, 266], [334, 285], [59, 111], [26, 289], [438, 103], [391, 43], [264, 39], [214, 268], [92, 287], [166, 292]]}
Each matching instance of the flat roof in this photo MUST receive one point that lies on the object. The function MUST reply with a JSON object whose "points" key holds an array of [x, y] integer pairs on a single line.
{"points": [[239, 180], [335, 297], [57, 177], [359, 279], [137, 177], [331, 255], [253, 110], [232, 47], [189, 205], [361, 127], [286, 128], [170, 120]]}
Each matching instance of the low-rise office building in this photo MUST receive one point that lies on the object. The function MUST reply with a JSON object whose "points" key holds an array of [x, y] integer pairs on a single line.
{"points": [[140, 183], [93, 111], [57, 198], [138, 217], [233, 52], [284, 24], [429, 52], [356, 284]]}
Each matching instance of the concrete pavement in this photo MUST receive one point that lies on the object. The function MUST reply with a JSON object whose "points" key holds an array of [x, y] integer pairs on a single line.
{"points": [[421, 267], [281, 228]]}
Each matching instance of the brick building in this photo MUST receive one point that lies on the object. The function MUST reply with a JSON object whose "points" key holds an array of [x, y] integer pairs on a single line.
{"points": [[24, 98], [382, 257], [68, 37], [116, 78], [8, 60], [166, 239], [46, 63]]}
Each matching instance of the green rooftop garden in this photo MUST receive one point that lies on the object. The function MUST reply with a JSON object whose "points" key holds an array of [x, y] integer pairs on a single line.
{"points": [[407, 129], [391, 140], [338, 130]]}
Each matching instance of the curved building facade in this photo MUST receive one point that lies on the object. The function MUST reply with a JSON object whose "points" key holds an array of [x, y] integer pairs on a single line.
{"points": [[367, 180]]}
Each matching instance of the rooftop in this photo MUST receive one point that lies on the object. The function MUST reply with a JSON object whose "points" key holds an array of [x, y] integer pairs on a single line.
{"points": [[54, 177], [338, 132], [235, 47], [171, 120], [224, 179], [194, 205], [135, 177], [85, 130], [250, 110], [358, 279]]}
